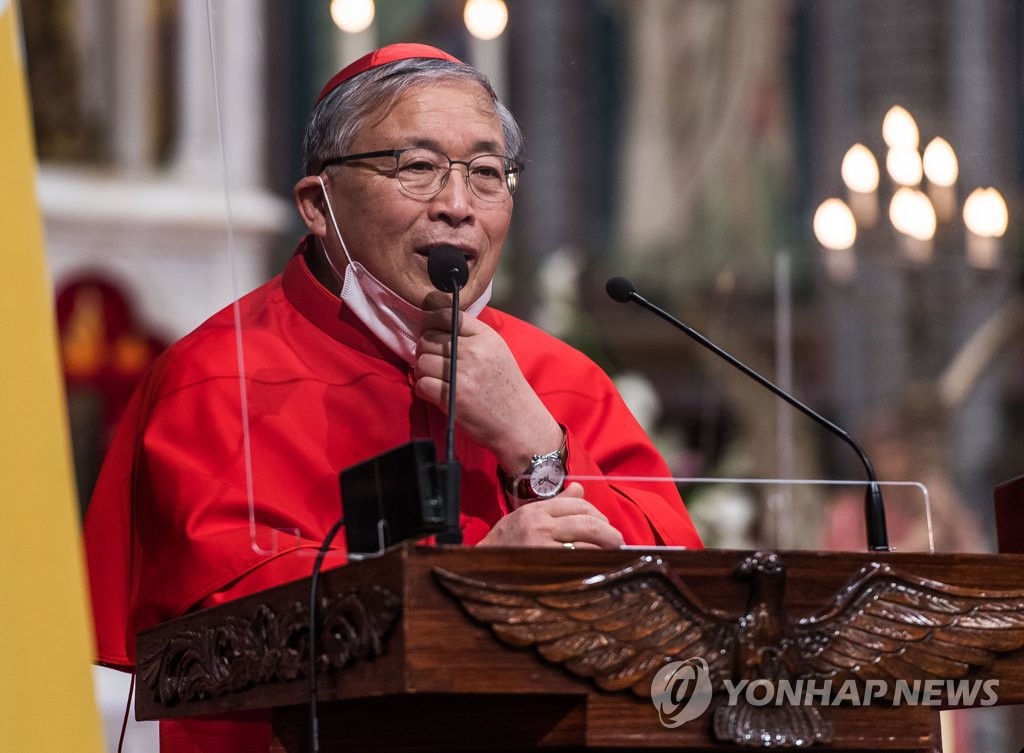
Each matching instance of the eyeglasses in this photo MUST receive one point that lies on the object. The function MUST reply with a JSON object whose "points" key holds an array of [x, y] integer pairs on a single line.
{"points": [[424, 172]]}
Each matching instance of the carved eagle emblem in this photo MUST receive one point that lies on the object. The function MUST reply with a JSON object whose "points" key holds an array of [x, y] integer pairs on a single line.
{"points": [[619, 628]]}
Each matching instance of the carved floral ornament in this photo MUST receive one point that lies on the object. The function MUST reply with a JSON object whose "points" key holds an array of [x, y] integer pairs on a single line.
{"points": [[618, 629], [268, 646]]}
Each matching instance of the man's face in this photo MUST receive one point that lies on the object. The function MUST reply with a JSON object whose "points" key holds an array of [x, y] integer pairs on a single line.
{"points": [[391, 231]]}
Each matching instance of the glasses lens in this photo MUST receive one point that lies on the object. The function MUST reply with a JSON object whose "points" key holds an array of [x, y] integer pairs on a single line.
{"points": [[487, 177], [422, 170], [425, 171]]}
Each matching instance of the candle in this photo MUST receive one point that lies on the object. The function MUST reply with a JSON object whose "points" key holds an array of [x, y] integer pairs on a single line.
{"points": [[860, 174], [941, 169], [836, 230], [986, 218]]}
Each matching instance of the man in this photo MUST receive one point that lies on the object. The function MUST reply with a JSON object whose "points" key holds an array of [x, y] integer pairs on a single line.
{"points": [[345, 357]]}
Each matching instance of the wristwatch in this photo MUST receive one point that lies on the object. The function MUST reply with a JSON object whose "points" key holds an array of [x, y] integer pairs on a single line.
{"points": [[543, 479]]}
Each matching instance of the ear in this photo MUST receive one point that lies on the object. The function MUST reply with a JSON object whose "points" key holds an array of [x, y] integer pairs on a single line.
{"points": [[308, 195]]}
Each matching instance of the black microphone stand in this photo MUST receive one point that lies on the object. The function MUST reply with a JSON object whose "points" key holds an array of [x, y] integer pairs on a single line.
{"points": [[451, 471], [448, 271]]}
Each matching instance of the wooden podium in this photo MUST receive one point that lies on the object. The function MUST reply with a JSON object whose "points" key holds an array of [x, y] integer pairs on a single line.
{"points": [[462, 649]]}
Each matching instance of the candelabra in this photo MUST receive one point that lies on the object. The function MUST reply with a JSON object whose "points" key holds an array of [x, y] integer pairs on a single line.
{"points": [[922, 196]]}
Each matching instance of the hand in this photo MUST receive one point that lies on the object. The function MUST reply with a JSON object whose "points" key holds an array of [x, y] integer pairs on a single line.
{"points": [[495, 404], [566, 518]]}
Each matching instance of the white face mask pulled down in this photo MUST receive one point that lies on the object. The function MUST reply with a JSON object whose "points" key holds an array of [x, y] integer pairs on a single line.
{"points": [[392, 319]]}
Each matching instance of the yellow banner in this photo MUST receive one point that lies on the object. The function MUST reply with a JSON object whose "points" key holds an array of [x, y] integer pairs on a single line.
{"points": [[46, 689]]}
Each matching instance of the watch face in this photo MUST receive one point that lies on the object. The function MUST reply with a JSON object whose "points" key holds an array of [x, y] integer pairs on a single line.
{"points": [[547, 477]]}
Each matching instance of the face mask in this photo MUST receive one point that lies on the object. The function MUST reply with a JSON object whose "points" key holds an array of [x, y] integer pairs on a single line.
{"points": [[392, 319]]}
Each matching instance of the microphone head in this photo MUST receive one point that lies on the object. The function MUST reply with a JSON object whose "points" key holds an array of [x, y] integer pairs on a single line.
{"points": [[620, 289], [447, 267]]}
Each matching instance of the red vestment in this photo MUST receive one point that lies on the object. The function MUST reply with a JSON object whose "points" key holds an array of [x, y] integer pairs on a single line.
{"points": [[169, 527]]}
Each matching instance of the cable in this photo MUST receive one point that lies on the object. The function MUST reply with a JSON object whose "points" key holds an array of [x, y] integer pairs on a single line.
{"points": [[127, 711], [314, 722]]}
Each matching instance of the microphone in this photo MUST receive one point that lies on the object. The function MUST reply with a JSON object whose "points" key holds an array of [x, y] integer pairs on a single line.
{"points": [[447, 268], [449, 272], [620, 289]]}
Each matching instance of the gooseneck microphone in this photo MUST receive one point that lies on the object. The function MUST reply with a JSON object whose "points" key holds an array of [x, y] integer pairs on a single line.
{"points": [[449, 272], [620, 289]]}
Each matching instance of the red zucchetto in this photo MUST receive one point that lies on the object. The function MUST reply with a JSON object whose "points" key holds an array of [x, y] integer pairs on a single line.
{"points": [[389, 54]]}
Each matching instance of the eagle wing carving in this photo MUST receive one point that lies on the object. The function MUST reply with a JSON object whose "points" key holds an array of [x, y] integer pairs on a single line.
{"points": [[616, 628], [887, 625], [620, 628]]}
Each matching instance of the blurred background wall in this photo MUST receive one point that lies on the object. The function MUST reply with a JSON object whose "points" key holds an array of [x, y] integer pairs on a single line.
{"points": [[688, 144]]}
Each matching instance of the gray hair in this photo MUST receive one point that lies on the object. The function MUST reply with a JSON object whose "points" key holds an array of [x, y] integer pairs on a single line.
{"points": [[337, 119]]}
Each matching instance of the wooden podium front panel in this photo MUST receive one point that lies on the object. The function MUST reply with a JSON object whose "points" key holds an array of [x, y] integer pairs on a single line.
{"points": [[445, 681]]}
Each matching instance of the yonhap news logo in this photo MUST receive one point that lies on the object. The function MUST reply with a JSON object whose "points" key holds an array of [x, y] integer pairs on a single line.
{"points": [[818, 692], [682, 691]]}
